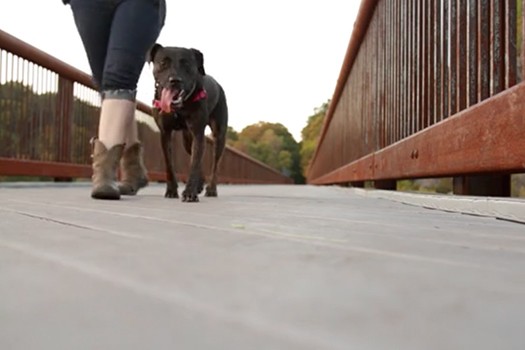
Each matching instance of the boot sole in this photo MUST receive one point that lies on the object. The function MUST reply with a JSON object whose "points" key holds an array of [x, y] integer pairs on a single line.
{"points": [[105, 196], [105, 192], [127, 190]]}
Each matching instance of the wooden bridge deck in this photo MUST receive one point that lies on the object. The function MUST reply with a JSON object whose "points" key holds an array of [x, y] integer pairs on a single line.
{"points": [[260, 267]]}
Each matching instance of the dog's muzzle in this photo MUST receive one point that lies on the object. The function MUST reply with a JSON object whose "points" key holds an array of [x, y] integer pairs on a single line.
{"points": [[172, 99]]}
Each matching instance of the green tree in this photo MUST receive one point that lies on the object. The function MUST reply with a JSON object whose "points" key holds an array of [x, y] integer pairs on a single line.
{"points": [[310, 135], [232, 136], [518, 185], [272, 144]]}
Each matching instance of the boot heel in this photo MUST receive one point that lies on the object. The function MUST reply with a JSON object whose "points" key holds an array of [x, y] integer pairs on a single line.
{"points": [[134, 173]]}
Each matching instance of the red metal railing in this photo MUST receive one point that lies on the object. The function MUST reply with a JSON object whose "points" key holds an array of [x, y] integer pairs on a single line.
{"points": [[428, 88], [49, 111]]}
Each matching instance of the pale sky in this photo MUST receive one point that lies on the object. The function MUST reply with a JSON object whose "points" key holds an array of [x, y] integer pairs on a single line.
{"points": [[277, 60]]}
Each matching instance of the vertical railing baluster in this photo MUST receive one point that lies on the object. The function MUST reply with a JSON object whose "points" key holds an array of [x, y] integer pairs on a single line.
{"points": [[462, 42], [405, 75], [472, 52], [398, 72], [389, 71], [438, 108], [424, 67], [511, 64], [453, 57], [498, 47], [417, 65], [484, 49], [382, 49], [411, 118], [430, 62], [522, 43]]}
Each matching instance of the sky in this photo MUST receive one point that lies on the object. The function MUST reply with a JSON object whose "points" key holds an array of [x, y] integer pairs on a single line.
{"points": [[277, 60]]}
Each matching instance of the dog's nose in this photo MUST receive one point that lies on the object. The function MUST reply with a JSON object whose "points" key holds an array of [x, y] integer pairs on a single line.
{"points": [[175, 81]]}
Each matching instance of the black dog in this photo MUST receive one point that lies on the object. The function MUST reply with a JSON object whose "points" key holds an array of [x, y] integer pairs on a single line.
{"points": [[187, 99]]}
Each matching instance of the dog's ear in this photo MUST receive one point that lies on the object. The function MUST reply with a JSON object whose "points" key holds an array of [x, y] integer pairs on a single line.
{"points": [[200, 61], [150, 57]]}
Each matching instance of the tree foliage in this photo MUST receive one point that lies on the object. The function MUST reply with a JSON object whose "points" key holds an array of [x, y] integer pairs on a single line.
{"points": [[310, 135], [272, 144], [232, 136]]}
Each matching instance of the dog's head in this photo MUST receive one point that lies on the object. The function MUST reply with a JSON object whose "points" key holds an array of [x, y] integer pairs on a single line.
{"points": [[178, 74]]}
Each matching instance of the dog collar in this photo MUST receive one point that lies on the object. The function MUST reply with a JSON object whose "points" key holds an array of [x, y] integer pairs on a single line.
{"points": [[200, 95]]}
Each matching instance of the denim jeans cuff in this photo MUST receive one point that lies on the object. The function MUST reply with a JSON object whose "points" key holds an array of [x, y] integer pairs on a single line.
{"points": [[121, 94]]}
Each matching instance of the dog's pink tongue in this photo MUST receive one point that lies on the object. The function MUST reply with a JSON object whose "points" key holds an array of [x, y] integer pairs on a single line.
{"points": [[166, 98]]}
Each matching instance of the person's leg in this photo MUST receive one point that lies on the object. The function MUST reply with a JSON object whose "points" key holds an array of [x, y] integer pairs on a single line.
{"points": [[94, 20], [136, 26]]}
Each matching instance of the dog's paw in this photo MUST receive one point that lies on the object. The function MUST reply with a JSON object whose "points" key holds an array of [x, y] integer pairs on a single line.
{"points": [[188, 196], [211, 191], [171, 193]]}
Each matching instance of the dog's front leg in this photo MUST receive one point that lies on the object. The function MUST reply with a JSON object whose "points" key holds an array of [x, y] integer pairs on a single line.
{"points": [[171, 184], [188, 141], [194, 184], [165, 143]]}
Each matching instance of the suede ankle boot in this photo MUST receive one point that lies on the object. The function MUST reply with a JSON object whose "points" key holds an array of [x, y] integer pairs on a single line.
{"points": [[133, 171], [105, 164]]}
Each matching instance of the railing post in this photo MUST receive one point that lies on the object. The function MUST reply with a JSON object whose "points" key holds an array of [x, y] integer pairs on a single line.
{"points": [[64, 122], [502, 45]]}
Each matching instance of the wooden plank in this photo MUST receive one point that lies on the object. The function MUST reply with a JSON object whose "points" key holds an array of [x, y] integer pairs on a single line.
{"points": [[475, 141], [334, 269]]}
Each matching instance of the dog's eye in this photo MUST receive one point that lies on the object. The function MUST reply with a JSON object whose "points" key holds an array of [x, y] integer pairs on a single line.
{"points": [[164, 63]]}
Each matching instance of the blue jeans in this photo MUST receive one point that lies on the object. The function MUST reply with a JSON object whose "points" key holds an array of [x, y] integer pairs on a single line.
{"points": [[117, 35]]}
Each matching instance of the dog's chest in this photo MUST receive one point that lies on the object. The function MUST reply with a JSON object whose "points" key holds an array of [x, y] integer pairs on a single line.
{"points": [[173, 122]]}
